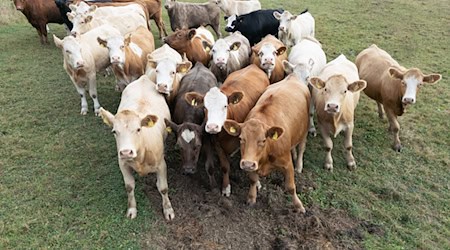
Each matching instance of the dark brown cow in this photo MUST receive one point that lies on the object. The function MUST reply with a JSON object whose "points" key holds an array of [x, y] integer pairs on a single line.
{"points": [[233, 100], [277, 124], [195, 43], [39, 13], [187, 121]]}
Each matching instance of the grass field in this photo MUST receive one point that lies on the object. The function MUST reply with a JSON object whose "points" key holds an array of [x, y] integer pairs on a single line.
{"points": [[60, 186]]}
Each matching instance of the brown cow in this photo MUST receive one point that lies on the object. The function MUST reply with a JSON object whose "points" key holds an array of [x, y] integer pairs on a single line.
{"points": [[233, 100], [195, 43], [391, 85], [269, 55], [39, 13], [336, 94], [277, 124]]}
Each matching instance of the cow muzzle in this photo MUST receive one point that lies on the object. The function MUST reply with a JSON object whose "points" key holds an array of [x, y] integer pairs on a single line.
{"points": [[408, 100], [212, 128], [221, 64], [127, 154], [162, 88], [332, 108], [189, 169], [228, 29], [248, 165]]}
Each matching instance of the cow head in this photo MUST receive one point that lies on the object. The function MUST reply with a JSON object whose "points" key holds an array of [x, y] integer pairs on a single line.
{"points": [[412, 80], [20, 5], [180, 39], [189, 139], [232, 22], [255, 137], [267, 55], [81, 24], [165, 71], [301, 70], [285, 20], [82, 8], [216, 106], [169, 4], [127, 127], [334, 90], [221, 52], [71, 50], [116, 47]]}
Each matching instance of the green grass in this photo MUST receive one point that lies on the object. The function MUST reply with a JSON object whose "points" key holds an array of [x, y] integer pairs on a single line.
{"points": [[60, 185]]}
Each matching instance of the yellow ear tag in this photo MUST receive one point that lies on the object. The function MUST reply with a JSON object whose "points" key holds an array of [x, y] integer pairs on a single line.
{"points": [[207, 49], [275, 136], [193, 103], [235, 47], [232, 130], [150, 124], [183, 70], [169, 129]]}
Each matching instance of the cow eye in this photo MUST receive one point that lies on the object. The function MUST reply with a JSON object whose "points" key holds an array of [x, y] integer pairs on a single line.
{"points": [[345, 91], [139, 130], [172, 72], [325, 89], [226, 106], [67, 51], [121, 46], [113, 131], [213, 51], [403, 83]]}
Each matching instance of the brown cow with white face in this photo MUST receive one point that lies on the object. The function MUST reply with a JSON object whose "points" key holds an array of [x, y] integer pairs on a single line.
{"points": [[277, 124], [336, 94], [391, 85], [269, 55]]}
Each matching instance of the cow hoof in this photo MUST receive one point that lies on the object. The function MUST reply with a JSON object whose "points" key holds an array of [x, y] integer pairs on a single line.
{"points": [[83, 112], [97, 112], [251, 202], [351, 166], [169, 214], [300, 210], [397, 148], [132, 213], [258, 185], [226, 191]]}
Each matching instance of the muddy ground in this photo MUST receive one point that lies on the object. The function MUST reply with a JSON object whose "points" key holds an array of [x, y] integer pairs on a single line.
{"points": [[206, 220]]}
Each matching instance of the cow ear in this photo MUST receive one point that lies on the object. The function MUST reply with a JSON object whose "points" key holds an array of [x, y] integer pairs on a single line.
{"points": [[395, 73], [235, 97], [235, 46], [274, 133], [127, 40], [88, 18], [281, 50], [288, 67], [225, 18], [293, 17], [255, 50], [277, 15], [206, 46], [432, 78], [191, 33], [102, 42], [232, 127], [73, 7], [107, 117], [316, 82], [311, 63], [149, 121], [194, 99], [58, 42], [171, 126], [184, 67], [357, 86], [151, 63], [70, 16], [92, 8]]}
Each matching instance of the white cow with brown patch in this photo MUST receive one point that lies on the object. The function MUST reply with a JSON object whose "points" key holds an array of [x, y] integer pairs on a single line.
{"points": [[336, 94], [391, 85], [140, 131]]}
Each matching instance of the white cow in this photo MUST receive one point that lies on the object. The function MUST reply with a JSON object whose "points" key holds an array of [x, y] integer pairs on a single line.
{"points": [[83, 57], [293, 28], [166, 68], [306, 59], [237, 7], [125, 18], [140, 131]]}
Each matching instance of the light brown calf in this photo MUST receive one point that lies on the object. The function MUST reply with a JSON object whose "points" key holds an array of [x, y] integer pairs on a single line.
{"points": [[392, 86], [269, 55]]}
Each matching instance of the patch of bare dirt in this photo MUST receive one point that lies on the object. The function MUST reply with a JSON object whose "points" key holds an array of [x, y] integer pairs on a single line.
{"points": [[206, 220]]}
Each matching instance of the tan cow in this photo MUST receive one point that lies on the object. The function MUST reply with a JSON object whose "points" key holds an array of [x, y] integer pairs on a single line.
{"points": [[336, 94], [139, 129], [269, 55], [128, 55], [391, 85], [277, 124]]}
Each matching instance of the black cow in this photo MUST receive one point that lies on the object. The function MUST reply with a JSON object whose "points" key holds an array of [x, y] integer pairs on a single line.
{"points": [[64, 9], [254, 25]]}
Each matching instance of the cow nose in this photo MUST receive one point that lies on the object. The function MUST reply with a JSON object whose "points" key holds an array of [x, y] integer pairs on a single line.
{"points": [[74, 33], [126, 153], [162, 87], [212, 128], [115, 59], [164, 39], [189, 170], [248, 165], [332, 107], [268, 60], [80, 64], [409, 100]]}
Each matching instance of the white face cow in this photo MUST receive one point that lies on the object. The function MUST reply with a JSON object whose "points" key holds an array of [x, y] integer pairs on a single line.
{"points": [[221, 52], [334, 91], [166, 70], [71, 50], [116, 46], [285, 20], [231, 23], [82, 23], [81, 8], [412, 80], [267, 56], [301, 70]]}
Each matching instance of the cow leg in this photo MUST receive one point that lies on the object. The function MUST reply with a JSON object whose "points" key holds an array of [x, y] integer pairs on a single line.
{"points": [[394, 127], [216, 28], [289, 183], [328, 143], [93, 94], [312, 129], [160, 23], [299, 162], [209, 164], [128, 178], [252, 192], [43, 33], [161, 184], [348, 143], [82, 92], [380, 110], [225, 166]]}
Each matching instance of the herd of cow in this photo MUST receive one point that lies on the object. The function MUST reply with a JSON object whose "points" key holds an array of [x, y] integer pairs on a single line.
{"points": [[241, 91]]}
